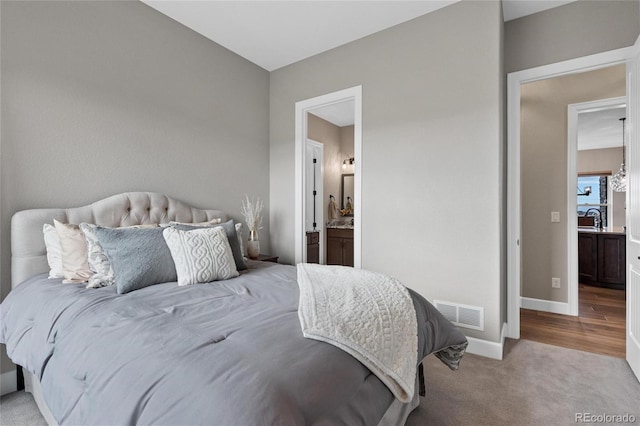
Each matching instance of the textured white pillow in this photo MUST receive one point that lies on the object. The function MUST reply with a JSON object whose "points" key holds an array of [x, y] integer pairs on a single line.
{"points": [[200, 255], [74, 253], [54, 253]]}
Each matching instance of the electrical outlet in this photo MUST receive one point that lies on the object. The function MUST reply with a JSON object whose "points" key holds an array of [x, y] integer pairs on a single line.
{"points": [[555, 282], [555, 216]]}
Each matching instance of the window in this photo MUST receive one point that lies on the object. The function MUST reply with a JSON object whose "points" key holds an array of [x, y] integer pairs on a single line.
{"points": [[594, 198]]}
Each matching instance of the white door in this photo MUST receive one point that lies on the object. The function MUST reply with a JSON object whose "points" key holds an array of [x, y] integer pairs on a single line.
{"points": [[633, 213], [314, 210]]}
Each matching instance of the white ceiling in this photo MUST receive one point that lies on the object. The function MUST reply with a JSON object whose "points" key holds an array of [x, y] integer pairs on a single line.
{"points": [[273, 34], [513, 9], [600, 129], [341, 114]]}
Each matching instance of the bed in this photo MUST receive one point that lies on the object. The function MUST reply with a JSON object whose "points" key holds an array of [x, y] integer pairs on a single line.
{"points": [[226, 352]]}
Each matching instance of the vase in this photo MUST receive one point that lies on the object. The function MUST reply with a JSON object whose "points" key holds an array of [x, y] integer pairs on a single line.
{"points": [[253, 245]]}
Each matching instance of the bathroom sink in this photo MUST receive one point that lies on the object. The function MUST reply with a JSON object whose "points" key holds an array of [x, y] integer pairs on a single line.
{"points": [[340, 224]]}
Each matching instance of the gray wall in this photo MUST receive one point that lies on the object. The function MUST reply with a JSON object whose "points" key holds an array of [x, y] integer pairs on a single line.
{"points": [[432, 151], [544, 172], [105, 97], [577, 29]]}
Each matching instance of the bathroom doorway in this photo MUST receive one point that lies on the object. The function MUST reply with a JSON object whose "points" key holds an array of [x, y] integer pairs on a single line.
{"points": [[332, 126], [322, 119]]}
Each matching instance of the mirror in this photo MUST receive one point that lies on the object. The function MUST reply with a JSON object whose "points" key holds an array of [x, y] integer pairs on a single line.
{"points": [[346, 191]]}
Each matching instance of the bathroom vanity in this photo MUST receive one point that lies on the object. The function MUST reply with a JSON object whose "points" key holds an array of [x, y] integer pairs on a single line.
{"points": [[602, 257], [340, 245]]}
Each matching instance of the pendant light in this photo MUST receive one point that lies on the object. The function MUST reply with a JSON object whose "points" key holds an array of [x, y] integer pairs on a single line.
{"points": [[619, 180]]}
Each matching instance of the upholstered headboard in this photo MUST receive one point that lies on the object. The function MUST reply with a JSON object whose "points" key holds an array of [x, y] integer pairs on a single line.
{"points": [[28, 252]]}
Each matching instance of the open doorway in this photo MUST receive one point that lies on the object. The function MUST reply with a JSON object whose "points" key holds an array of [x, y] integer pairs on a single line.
{"points": [[330, 241], [601, 223], [333, 121], [551, 207], [547, 229]]}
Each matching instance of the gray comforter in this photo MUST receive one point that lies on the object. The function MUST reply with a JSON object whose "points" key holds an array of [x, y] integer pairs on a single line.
{"points": [[229, 353]]}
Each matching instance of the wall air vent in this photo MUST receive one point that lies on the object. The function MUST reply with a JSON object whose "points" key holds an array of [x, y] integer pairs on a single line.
{"points": [[462, 315]]}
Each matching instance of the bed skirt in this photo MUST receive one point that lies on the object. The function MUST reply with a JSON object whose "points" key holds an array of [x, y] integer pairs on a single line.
{"points": [[396, 414], [32, 385]]}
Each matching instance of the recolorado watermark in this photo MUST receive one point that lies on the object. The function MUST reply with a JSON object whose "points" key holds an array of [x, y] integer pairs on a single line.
{"points": [[605, 418]]}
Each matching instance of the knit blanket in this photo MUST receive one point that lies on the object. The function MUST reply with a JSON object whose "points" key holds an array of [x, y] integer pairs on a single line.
{"points": [[369, 315]]}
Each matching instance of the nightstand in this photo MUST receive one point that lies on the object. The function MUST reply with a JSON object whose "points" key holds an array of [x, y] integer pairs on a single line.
{"points": [[267, 258]]}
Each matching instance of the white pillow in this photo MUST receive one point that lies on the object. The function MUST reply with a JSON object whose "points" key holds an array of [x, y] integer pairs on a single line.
{"points": [[97, 259], [201, 255], [74, 253], [54, 253]]}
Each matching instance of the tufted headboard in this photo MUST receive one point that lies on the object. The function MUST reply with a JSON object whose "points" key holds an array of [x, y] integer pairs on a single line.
{"points": [[28, 252]]}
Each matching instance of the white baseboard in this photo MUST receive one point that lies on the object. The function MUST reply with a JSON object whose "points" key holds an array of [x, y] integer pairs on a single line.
{"points": [[487, 348], [545, 305], [8, 382]]}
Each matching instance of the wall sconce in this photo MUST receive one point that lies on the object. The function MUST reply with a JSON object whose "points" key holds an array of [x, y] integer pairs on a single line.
{"points": [[348, 162], [587, 191]]}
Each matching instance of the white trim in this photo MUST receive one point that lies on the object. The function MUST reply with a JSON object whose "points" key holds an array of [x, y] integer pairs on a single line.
{"points": [[357, 181], [487, 348], [572, 207], [8, 382], [302, 107], [545, 305], [514, 206], [514, 81], [320, 197], [573, 111]]}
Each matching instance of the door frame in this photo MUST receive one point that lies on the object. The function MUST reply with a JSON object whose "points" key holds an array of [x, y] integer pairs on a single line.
{"points": [[573, 111], [514, 201], [301, 126], [319, 197]]}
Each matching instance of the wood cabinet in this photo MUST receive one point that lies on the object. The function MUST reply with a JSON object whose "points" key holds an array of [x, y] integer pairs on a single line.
{"points": [[313, 247], [602, 259], [612, 259], [587, 256], [339, 246]]}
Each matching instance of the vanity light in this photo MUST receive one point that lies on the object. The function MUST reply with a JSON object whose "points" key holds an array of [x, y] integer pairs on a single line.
{"points": [[348, 162], [619, 180]]}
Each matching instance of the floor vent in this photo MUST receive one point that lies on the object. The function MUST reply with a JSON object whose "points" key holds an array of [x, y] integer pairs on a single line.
{"points": [[462, 315]]}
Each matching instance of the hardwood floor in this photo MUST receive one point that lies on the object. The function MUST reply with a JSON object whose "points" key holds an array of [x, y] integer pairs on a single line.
{"points": [[599, 328]]}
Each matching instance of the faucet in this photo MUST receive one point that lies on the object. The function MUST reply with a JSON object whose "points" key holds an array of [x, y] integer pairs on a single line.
{"points": [[599, 223]]}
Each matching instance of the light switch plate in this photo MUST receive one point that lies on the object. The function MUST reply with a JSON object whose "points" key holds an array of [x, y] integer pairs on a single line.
{"points": [[555, 282], [555, 216]]}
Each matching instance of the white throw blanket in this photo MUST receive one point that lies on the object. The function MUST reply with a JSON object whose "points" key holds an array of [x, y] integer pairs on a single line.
{"points": [[368, 315]]}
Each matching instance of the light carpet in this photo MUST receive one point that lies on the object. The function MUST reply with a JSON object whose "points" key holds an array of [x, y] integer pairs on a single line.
{"points": [[535, 384]]}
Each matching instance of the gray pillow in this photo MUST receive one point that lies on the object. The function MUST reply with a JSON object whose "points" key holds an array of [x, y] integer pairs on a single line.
{"points": [[139, 257], [232, 236]]}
